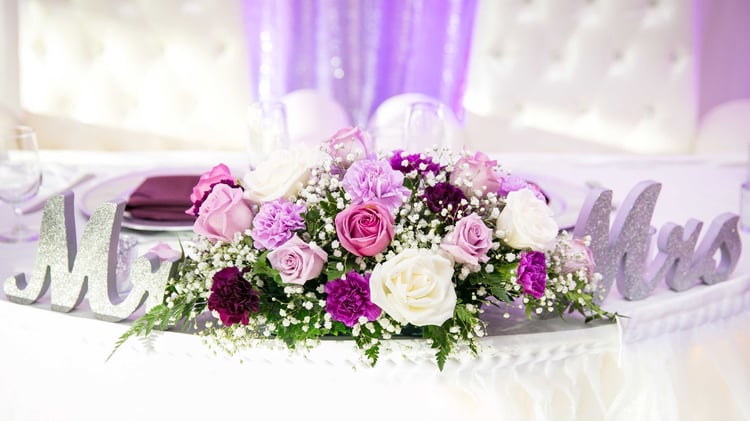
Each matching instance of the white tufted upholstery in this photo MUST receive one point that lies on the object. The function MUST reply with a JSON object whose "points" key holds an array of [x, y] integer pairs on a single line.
{"points": [[619, 74], [9, 106], [173, 69]]}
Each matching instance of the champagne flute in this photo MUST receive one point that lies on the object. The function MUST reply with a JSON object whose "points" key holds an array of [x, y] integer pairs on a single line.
{"points": [[268, 130], [424, 126], [20, 177]]}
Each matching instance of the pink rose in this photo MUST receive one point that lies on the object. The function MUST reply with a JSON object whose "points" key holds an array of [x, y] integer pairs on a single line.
{"points": [[365, 229], [469, 242], [297, 261], [223, 214], [348, 145], [476, 173], [579, 256], [164, 252], [218, 174]]}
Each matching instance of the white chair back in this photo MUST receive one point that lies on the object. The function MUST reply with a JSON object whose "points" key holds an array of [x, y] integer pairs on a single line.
{"points": [[312, 116]]}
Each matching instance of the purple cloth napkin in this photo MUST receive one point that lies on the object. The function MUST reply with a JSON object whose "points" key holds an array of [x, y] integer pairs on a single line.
{"points": [[163, 198]]}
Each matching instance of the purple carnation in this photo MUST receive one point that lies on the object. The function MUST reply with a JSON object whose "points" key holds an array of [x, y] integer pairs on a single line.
{"points": [[275, 223], [510, 183], [413, 163], [375, 181], [439, 196], [232, 297], [349, 299], [532, 273]]}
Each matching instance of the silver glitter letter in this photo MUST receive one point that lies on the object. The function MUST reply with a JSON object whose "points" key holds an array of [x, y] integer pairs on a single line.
{"points": [[676, 248], [70, 272], [622, 253], [723, 237], [55, 253]]}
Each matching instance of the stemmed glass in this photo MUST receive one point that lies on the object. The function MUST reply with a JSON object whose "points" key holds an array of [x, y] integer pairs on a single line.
{"points": [[20, 177], [268, 130], [424, 126]]}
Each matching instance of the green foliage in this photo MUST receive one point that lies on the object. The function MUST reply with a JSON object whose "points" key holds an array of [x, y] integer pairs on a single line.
{"points": [[441, 343], [497, 282], [161, 317]]}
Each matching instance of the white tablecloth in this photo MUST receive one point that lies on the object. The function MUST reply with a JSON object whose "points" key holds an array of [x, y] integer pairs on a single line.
{"points": [[677, 356]]}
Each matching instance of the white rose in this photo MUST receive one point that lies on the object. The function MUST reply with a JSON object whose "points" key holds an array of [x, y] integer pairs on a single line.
{"points": [[283, 174], [527, 221], [415, 287]]}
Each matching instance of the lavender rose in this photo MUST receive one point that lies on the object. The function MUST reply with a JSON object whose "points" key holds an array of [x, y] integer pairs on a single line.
{"points": [[348, 145], [206, 182], [232, 297], [375, 181], [532, 273], [413, 162], [578, 257], [297, 261], [275, 223], [476, 173], [366, 229], [349, 299], [223, 214], [470, 241], [444, 196]]}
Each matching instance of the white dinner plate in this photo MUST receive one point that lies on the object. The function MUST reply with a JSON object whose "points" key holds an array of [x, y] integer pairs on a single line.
{"points": [[565, 199], [120, 187]]}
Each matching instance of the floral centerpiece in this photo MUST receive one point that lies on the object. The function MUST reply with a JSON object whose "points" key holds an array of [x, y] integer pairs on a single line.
{"points": [[341, 242]]}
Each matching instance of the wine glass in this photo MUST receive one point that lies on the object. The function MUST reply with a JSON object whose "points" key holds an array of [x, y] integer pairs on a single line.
{"points": [[268, 130], [424, 126], [20, 177]]}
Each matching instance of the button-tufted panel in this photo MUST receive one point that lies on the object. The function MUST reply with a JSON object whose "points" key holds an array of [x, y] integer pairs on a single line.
{"points": [[8, 62], [618, 73], [176, 68]]}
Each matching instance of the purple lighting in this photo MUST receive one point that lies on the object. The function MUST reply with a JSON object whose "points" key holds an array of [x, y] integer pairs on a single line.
{"points": [[359, 52]]}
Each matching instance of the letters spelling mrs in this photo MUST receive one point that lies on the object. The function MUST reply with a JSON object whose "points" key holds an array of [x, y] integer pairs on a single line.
{"points": [[621, 253], [71, 272]]}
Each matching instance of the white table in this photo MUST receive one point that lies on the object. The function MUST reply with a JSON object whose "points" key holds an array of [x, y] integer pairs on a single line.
{"points": [[678, 356]]}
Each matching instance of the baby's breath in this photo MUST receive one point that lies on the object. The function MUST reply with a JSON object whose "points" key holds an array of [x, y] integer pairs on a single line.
{"points": [[298, 316]]}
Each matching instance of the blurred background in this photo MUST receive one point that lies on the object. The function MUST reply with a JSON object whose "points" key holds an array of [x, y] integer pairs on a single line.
{"points": [[634, 76]]}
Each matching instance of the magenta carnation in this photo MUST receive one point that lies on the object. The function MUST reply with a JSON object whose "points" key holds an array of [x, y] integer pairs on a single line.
{"points": [[407, 163], [375, 181], [232, 297], [532, 273], [349, 299], [275, 223]]}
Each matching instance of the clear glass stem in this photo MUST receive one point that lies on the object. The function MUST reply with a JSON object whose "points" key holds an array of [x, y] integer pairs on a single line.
{"points": [[19, 232], [18, 227]]}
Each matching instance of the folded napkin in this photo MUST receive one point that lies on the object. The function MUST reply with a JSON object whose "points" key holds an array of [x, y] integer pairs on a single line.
{"points": [[163, 198]]}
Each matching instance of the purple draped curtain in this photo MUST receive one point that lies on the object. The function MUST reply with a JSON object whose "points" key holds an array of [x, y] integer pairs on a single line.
{"points": [[360, 52]]}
